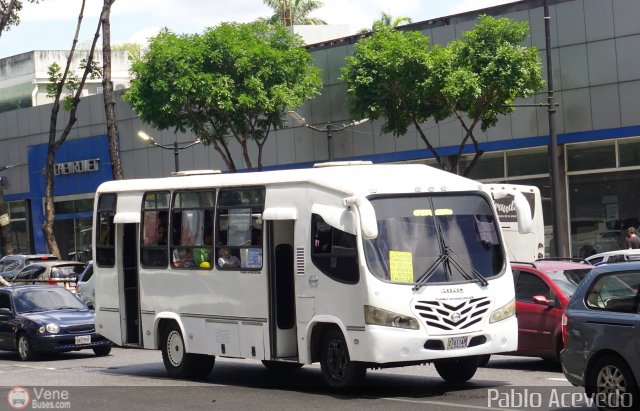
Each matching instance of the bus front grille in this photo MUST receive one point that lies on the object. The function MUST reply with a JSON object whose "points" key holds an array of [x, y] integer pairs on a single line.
{"points": [[446, 317]]}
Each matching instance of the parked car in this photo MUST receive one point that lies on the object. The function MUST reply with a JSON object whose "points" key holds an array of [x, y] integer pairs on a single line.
{"points": [[11, 264], [600, 328], [39, 318], [543, 289], [63, 273], [85, 289], [618, 256]]}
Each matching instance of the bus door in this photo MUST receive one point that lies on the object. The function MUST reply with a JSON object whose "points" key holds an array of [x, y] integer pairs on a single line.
{"points": [[130, 284], [282, 314]]}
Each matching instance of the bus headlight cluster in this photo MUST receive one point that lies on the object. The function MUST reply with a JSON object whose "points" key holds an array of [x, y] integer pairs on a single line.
{"points": [[504, 312], [378, 316], [51, 328]]}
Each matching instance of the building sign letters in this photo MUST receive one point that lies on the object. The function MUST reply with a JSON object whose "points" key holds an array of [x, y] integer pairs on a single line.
{"points": [[75, 167]]}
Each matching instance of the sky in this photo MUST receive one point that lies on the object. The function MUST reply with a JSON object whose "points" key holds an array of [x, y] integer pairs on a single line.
{"points": [[51, 24]]}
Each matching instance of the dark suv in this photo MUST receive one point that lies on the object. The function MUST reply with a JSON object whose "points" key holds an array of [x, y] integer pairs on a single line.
{"points": [[601, 330], [11, 264]]}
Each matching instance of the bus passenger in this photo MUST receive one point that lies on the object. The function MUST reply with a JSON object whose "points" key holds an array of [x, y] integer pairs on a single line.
{"points": [[226, 260]]}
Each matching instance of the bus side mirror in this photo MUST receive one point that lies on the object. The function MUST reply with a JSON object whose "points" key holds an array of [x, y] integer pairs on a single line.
{"points": [[368, 222], [523, 210]]}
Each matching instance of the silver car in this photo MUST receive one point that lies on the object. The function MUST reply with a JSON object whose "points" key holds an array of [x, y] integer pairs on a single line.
{"points": [[601, 332]]}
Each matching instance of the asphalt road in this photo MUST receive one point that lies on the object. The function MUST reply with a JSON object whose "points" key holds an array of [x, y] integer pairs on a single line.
{"points": [[131, 379]]}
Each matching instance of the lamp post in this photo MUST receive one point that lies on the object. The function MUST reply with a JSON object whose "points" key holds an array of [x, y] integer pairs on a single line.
{"points": [[176, 147], [328, 128]]}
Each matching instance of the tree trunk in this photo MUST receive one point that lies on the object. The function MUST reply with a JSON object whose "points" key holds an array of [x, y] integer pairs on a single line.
{"points": [[7, 248], [109, 99], [49, 212]]}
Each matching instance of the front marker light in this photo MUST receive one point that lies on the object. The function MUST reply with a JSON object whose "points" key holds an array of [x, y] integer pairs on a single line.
{"points": [[504, 312], [378, 316]]}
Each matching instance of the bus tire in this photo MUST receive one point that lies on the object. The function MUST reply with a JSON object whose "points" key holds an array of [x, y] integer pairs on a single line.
{"points": [[179, 363], [338, 371], [281, 365], [457, 370], [484, 360]]}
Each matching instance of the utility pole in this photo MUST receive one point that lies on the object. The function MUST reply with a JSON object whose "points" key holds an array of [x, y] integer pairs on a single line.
{"points": [[558, 194]]}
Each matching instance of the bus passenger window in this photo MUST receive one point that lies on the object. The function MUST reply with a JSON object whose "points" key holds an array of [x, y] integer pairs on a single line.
{"points": [[239, 228], [155, 222]]}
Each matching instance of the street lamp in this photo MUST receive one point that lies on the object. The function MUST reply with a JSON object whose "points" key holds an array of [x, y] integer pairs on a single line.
{"points": [[175, 146], [328, 128]]}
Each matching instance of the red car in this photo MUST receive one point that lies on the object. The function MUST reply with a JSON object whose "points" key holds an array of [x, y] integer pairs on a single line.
{"points": [[543, 290]]}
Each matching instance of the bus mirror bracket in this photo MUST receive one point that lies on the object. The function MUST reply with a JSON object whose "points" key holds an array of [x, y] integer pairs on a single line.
{"points": [[368, 222]]}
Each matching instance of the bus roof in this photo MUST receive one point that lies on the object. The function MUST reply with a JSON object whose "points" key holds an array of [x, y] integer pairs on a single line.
{"points": [[350, 179]]}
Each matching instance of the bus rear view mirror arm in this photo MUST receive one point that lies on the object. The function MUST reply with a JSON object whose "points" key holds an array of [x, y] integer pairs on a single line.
{"points": [[368, 222]]}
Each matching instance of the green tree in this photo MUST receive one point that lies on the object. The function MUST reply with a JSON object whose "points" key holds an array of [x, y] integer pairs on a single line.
{"points": [[386, 20], [475, 79], [234, 81], [9, 10], [135, 50], [290, 12]]}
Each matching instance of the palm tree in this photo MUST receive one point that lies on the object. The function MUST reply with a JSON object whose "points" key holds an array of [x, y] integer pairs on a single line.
{"points": [[387, 20], [290, 12]]}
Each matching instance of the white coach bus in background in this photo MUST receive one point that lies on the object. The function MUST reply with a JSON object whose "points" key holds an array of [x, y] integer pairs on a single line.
{"points": [[352, 265], [526, 247]]}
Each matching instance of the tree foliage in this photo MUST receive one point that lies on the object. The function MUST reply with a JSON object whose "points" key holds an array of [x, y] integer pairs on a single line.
{"points": [[293, 12], [398, 76], [9, 13], [232, 81]]}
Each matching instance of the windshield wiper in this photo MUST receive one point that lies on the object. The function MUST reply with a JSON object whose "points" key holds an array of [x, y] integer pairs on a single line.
{"points": [[462, 267]]}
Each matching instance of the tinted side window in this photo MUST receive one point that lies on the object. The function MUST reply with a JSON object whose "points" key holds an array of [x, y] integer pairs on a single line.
{"points": [[5, 300], [529, 285], [334, 251], [615, 292], [105, 230]]}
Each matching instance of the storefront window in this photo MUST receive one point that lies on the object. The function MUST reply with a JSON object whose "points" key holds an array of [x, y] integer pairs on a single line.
{"points": [[629, 152], [527, 162], [588, 156], [21, 239], [490, 165], [602, 207]]}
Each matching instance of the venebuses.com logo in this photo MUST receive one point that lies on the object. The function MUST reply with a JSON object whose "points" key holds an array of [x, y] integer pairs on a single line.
{"points": [[18, 398]]}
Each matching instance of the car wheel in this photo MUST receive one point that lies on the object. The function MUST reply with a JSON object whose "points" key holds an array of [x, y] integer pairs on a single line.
{"points": [[613, 384], [338, 371], [281, 365], [179, 363], [25, 349], [457, 370], [102, 351]]}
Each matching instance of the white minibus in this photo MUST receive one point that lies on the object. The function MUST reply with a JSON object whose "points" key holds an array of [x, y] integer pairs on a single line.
{"points": [[352, 265]]}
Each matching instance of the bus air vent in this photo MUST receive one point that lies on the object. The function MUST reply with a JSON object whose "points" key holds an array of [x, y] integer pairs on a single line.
{"points": [[300, 260]]}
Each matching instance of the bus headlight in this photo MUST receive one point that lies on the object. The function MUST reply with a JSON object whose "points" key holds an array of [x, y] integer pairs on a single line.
{"points": [[503, 312], [378, 316]]}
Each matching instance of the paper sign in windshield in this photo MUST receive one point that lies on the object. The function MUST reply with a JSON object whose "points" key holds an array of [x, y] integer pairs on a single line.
{"points": [[401, 266]]}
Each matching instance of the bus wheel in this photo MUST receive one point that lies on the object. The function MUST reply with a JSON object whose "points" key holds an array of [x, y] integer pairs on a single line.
{"points": [[338, 371], [457, 370], [179, 363], [281, 365]]}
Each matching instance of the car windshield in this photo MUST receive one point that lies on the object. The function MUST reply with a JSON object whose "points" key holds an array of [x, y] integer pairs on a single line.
{"points": [[568, 280], [431, 238], [44, 299]]}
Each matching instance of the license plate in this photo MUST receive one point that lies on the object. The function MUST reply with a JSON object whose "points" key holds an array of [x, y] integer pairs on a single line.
{"points": [[83, 339], [454, 343]]}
